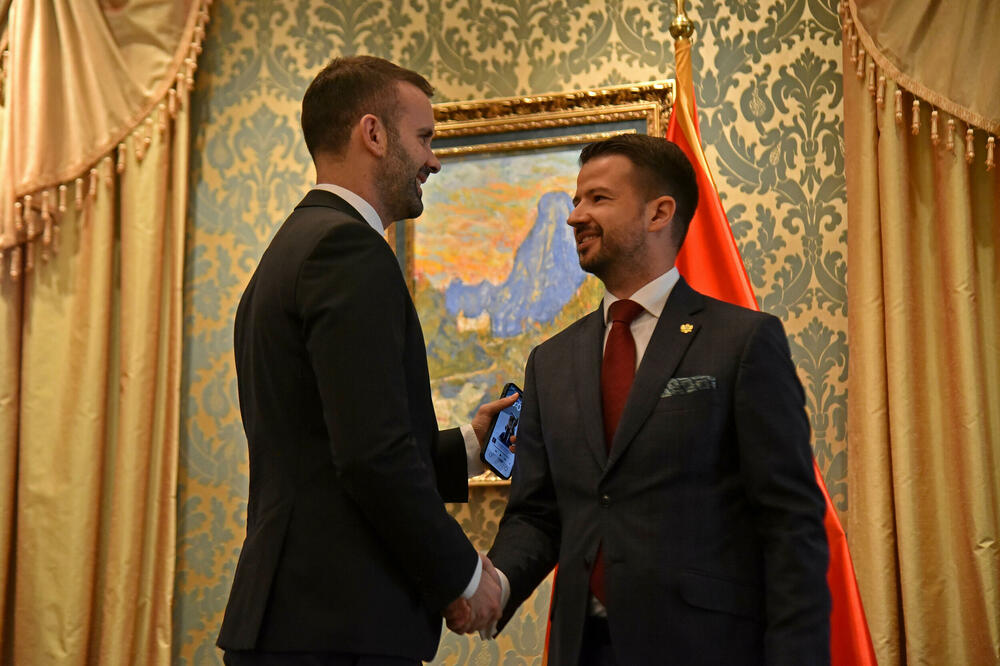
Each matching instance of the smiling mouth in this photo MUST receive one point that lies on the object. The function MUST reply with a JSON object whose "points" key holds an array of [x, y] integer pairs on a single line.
{"points": [[585, 240]]}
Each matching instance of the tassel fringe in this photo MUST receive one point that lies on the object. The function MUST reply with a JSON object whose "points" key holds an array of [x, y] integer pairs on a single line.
{"points": [[36, 215], [865, 68]]}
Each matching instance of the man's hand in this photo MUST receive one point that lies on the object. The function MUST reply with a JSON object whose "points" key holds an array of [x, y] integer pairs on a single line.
{"points": [[484, 417], [483, 610], [458, 614]]}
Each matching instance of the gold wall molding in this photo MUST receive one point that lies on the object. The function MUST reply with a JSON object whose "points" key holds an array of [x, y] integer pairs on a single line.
{"points": [[650, 99]]}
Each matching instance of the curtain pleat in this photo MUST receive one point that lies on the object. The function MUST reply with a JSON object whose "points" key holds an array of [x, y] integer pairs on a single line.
{"points": [[924, 386], [10, 351]]}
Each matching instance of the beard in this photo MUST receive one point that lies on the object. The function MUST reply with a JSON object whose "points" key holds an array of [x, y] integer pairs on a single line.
{"points": [[618, 253], [398, 183]]}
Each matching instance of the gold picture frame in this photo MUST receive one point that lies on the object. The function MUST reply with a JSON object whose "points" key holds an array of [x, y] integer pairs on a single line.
{"points": [[501, 157]]}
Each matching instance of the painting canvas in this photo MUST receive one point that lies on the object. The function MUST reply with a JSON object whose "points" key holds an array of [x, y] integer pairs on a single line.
{"points": [[492, 263]]}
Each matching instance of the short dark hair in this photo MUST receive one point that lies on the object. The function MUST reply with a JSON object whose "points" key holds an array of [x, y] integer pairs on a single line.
{"points": [[347, 89], [663, 167]]}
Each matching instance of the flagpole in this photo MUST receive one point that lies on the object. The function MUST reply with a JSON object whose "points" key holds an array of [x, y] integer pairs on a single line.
{"points": [[709, 240]]}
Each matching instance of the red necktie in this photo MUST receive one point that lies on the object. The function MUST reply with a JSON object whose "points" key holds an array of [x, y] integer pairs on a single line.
{"points": [[617, 372]]}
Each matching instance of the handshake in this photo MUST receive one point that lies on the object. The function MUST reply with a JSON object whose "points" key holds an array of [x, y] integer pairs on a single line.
{"points": [[481, 611]]}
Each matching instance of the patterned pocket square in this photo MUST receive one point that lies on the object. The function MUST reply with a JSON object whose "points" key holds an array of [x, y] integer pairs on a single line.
{"points": [[683, 385]]}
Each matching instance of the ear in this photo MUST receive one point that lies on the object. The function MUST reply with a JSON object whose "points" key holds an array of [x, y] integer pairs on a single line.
{"points": [[661, 212], [374, 136]]}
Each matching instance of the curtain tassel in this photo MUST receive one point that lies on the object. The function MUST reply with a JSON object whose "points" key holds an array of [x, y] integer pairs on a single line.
{"points": [[47, 222], [871, 76], [147, 135], [161, 119], [18, 216], [990, 163], [862, 61], [854, 47], [970, 152], [935, 139], [949, 141], [915, 122], [899, 106], [46, 237], [92, 185], [15, 263], [880, 94], [78, 193], [120, 167], [29, 218], [62, 198], [180, 88], [4, 58]]}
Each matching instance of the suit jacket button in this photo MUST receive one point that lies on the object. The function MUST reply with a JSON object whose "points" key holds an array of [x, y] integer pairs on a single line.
{"points": [[605, 500]]}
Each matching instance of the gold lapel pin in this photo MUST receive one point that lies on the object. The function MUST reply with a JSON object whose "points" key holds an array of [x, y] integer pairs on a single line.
{"points": [[686, 328]]}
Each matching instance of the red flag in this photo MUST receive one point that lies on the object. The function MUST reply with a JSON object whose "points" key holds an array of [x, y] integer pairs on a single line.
{"points": [[710, 245]]}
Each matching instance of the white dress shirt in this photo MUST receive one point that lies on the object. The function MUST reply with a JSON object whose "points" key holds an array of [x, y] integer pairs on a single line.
{"points": [[366, 210]]}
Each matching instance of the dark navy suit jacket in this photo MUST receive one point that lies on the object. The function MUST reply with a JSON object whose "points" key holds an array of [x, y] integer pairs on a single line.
{"points": [[707, 507]]}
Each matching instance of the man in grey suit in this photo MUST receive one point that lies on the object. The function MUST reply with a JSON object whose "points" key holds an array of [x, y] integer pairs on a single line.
{"points": [[663, 456]]}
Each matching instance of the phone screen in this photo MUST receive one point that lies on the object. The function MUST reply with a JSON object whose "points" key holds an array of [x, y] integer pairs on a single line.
{"points": [[497, 454]]}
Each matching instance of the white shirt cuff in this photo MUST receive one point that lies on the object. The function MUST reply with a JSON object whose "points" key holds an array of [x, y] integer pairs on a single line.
{"points": [[473, 585], [504, 589], [474, 463]]}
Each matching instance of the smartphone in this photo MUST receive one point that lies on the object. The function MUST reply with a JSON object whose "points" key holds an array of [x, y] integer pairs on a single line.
{"points": [[497, 454]]}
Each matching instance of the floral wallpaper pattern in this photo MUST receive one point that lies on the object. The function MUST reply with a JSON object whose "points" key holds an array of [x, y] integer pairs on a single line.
{"points": [[769, 93]]}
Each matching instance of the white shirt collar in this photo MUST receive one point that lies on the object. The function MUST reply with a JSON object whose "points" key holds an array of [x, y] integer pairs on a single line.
{"points": [[357, 203], [652, 296]]}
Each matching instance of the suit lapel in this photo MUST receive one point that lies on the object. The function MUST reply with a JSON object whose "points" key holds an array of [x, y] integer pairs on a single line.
{"points": [[587, 355], [666, 348]]}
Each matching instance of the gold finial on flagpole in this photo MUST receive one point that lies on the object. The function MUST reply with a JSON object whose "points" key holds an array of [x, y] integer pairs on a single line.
{"points": [[681, 26]]}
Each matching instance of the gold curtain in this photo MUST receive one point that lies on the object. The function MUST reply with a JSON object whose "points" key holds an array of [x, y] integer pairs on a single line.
{"points": [[924, 333], [83, 79], [90, 367]]}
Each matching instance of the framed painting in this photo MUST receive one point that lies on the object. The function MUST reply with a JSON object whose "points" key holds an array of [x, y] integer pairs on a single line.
{"points": [[491, 263]]}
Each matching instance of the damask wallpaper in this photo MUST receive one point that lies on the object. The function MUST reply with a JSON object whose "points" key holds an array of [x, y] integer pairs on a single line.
{"points": [[769, 94]]}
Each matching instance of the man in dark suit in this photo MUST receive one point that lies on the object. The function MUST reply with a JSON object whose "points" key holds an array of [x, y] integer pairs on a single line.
{"points": [[663, 456], [350, 556]]}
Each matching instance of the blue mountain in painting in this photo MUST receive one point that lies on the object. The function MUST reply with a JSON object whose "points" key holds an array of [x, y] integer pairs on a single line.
{"points": [[545, 275]]}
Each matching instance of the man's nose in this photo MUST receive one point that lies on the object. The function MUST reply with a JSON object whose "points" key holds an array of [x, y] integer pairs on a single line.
{"points": [[433, 164], [575, 216]]}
